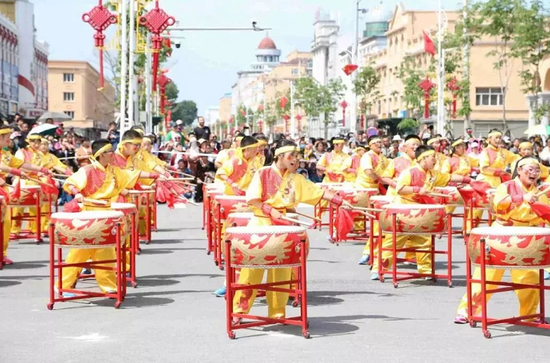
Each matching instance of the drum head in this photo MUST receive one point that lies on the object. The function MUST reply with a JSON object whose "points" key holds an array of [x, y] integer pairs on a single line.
{"points": [[265, 230], [86, 215], [511, 231]]}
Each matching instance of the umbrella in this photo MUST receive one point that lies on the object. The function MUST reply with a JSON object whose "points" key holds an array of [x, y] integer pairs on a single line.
{"points": [[56, 116], [538, 130], [44, 130]]}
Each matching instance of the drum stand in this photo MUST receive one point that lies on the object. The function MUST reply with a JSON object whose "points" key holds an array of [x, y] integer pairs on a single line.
{"points": [[502, 287], [218, 228], [318, 212], [299, 292], [26, 216], [148, 211], [472, 206], [361, 234], [207, 206], [432, 251], [59, 265], [154, 225], [2, 236]]}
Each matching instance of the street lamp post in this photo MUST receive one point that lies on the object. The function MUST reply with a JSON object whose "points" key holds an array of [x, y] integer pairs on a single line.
{"points": [[355, 58]]}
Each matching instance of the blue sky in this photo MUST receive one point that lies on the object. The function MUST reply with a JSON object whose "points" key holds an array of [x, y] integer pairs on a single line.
{"points": [[205, 66]]}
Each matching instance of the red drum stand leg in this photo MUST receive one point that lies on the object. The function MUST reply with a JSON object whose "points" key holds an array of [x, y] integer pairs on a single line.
{"points": [[484, 329], [134, 246], [52, 270], [148, 219], [230, 293], [449, 250], [302, 283]]}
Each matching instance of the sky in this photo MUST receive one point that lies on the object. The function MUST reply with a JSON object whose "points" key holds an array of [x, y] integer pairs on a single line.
{"points": [[206, 65]]}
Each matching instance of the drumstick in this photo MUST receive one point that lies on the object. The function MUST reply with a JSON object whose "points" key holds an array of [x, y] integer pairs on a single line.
{"points": [[542, 192], [367, 209], [60, 175], [179, 179], [367, 214], [307, 216], [439, 195], [38, 182], [59, 180], [95, 201], [184, 174], [296, 221]]}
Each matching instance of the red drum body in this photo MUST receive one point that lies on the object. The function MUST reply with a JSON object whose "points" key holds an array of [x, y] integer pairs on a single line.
{"points": [[414, 218], [242, 219], [358, 197], [511, 247], [454, 196], [127, 210], [231, 204], [380, 200], [266, 246], [96, 229], [29, 193]]}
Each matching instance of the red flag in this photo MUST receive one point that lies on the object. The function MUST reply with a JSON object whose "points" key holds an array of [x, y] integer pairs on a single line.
{"points": [[50, 188], [349, 69], [480, 187], [541, 210], [283, 102], [424, 199], [504, 177], [344, 222], [429, 45], [165, 196], [72, 207], [17, 190]]}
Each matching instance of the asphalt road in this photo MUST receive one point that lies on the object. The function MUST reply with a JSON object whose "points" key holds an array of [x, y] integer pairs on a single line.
{"points": [[172, 315]]}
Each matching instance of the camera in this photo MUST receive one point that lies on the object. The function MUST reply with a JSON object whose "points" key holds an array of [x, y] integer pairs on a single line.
{"points": [[177, 43], [254, 23]]}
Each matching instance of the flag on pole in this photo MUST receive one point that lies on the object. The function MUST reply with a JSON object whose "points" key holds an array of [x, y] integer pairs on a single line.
{"points": [[349, 69], [429, 45]]}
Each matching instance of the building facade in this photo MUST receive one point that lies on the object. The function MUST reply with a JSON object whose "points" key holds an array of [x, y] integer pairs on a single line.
{"points": [[24, 61], [73, 89]]}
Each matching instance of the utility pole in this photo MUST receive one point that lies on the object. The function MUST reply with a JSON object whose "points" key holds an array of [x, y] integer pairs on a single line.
{"points": [[440, 74], [292, 119], [123, 67], [131, 69], [466, 66], [148, 87]]}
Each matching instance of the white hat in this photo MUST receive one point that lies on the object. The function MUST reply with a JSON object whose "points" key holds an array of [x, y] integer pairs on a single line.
{"points": [[179, 122], [474, 144], [397, 138]]}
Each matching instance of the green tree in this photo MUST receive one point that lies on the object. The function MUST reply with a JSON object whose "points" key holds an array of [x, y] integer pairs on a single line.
{"points": [[318, 99], [413, 95], [185, 111], [366, 87]]}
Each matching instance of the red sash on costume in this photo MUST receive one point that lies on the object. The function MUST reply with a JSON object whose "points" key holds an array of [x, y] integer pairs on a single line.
{"points": [[400, 164], [95, 179], [271, 181]]}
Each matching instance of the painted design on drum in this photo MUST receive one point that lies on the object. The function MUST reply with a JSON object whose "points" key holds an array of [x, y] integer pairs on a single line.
{"points": [[526, 251], [421, 220], [455, 197], [269, 249], [91, 232]]}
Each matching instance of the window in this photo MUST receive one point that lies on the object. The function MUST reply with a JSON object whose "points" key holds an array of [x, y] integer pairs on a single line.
{"points": [[68, 96], [69, 113], [488, 96], [68, 77], [294, 71]]}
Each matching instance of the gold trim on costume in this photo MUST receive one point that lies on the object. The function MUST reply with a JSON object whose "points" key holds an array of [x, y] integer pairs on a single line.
{"points": [[103, 150], [285, 149], [425, 154], [494, 133], [525, 144]]}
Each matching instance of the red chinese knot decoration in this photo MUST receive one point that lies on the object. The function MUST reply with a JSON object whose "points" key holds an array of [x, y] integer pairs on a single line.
{"points": [[163, 82], [426, 86], [344, 105], [283, 102], [299, 119], [100, 18], [454, 87], [286, 118], [156, 21]]}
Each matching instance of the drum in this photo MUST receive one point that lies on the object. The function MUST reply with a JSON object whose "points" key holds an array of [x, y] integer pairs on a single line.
{"points": [[511, 247], [266, 246], [358, 197], [96, 229], [127, 209], [414, 218], [379, 200], [454, 196], [242, 219], [230, 204], [29, 193], [328, 186]]}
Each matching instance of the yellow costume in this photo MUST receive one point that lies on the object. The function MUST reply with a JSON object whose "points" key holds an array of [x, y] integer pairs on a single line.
{"points": [[394, 168], [336, 164], [496, 158], [13, 162], [371, 161], [291, 189], [239, 171], [50, 162], [114, 181], [516, 214]]}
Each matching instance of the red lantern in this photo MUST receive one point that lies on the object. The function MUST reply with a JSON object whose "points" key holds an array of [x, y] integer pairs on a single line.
{"points": [[454, 87], [163, 82], [156, 21], [100, 18], [286, 118], [426, 86], [349, 69], [283, 102], [362, 122], [344, 105], [299, 119], [260, 108]]}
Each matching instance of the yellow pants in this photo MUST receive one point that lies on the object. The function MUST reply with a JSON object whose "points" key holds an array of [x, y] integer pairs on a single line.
{"points": [[424, 260], [7, 230], [478, 213], [528, 298], [276, 301], [374, 232], [18, 212], [105, 279]]}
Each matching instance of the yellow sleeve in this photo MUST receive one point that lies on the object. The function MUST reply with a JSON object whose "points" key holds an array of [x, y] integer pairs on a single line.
{"points": [[306, 191], [125, 179], [441, 179], [16, 162], [226, 168], [254, 190], [404, 180], [323, 161], [498, 200], [222, 156], [347, 163], [474, 163], [158, 161], [446, 166], [79, 180], [389, 172], [484, 161], [511, 157], [58, 163], [143, 161], [543, 172], [366, 162]]}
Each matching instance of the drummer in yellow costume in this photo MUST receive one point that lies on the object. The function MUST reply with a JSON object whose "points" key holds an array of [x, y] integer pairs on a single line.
{"points": [[52, 163], [32, 155], [226, 154], [526, 149], [439, 156], [10, 165], [259, 160], [358, 153], [400, 164], [512, 205], [237, 172], [335, 164], [102, 181], [419, 179], [273, 190], [372, 166]]}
